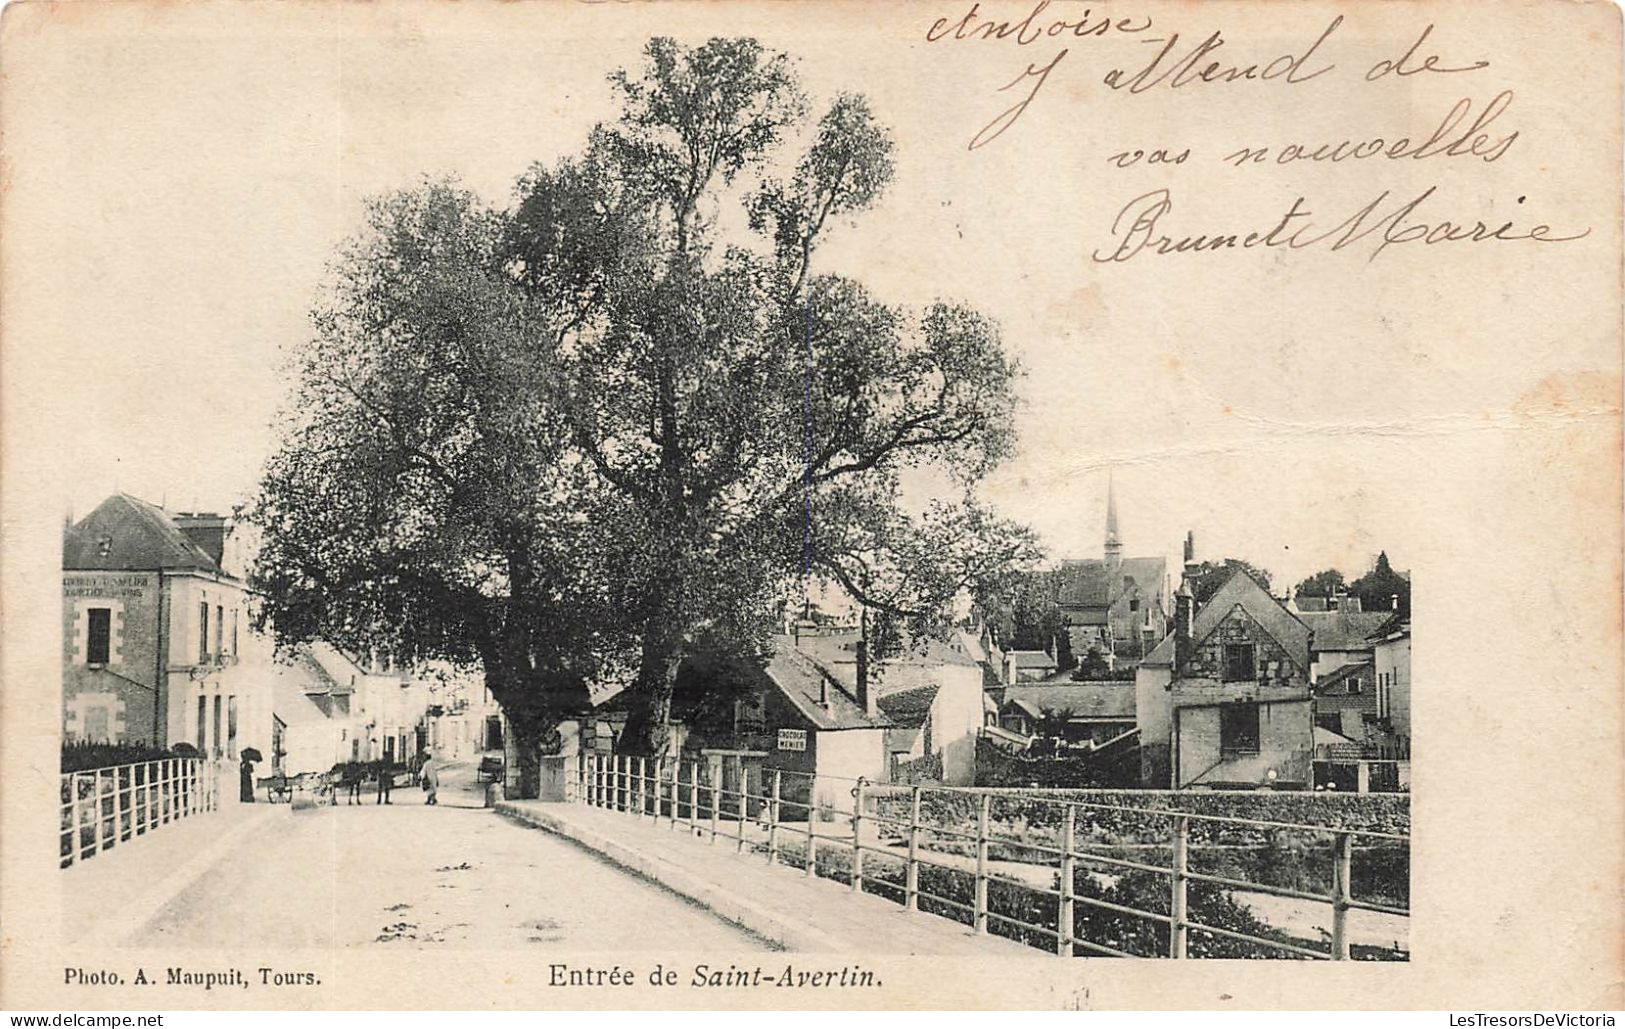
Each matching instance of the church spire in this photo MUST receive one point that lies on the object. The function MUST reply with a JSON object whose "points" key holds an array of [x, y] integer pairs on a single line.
{"points": [[1114, 543]]}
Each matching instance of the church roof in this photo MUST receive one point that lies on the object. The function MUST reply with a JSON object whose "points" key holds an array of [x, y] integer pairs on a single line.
{"points": [[1088, 582], [126, 533]]}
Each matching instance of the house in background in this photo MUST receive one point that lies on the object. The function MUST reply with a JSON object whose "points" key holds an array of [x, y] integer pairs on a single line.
{"points": [[1087, 712], [1028, 666], [1346, 701], [1340, 638], [799, 717], [1391, 664], [155, 634], [933, 693], [385, 714], [1223, 701], [1116, 605]]}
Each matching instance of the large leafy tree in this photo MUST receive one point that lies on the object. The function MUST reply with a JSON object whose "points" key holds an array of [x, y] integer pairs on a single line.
{"points": [[571, 439], [753, 413], [424, 497]]}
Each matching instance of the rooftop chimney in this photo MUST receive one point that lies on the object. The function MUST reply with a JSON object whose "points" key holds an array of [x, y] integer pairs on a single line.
{"points": [[866, 696], [1184, 624], [206, 529]]}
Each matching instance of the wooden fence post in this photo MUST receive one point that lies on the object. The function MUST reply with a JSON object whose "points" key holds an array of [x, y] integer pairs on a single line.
{"points": [[857, 837], [1342, 893], [1177, 933], [773, 821], [979, 910], [911, 882], [1066, 923]]}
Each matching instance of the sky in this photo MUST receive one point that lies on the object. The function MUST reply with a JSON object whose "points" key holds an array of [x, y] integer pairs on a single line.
{"points": [[197, 191]]}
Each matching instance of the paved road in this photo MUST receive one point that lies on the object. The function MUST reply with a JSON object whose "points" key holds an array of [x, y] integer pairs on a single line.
{"points": [[410, 875]]}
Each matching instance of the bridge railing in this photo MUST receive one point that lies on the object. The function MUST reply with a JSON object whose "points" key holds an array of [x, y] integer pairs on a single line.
{"points": [[104, 807], [1096, 874]]}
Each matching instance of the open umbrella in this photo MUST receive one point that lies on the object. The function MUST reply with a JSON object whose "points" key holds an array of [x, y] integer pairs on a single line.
{"points": [[250, 754]]}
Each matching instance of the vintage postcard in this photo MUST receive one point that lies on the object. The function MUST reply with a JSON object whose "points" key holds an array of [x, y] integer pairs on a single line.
{"points": [[941, 504]]}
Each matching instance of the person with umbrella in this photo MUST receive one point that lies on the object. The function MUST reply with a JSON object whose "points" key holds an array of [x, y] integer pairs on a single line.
{"points": [[246, 773]]}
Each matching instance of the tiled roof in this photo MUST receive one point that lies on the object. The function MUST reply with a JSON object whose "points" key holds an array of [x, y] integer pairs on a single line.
{"points": [[1086, 583], [1082, 699], [1031, 658], [841, 648], [126, 533], [802, 681], [1288, 629], [1343, 630], [909, 708], [1337, 682]]}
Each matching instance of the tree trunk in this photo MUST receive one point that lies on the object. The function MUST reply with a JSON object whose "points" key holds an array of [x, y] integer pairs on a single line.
{"points": [[534, 733], [533, 720], [648, 728]]}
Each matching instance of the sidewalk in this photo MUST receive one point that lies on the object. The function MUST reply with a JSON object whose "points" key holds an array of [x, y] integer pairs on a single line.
{"points": [[776, 902], [109, 896]]}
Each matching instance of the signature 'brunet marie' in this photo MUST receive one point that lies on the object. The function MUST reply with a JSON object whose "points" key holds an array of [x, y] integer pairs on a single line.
{"points": [[1382, 222]]}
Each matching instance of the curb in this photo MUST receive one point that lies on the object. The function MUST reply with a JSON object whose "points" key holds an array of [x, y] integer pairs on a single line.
{"points": [[720, 901], [139, 911]]}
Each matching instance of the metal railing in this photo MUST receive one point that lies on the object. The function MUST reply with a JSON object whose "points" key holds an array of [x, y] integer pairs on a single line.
{"points": [[103, 807], [858, 816]]}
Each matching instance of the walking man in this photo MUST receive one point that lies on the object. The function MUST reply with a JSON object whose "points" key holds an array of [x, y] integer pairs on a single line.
{"points": [[386, 782], [431, 778]]}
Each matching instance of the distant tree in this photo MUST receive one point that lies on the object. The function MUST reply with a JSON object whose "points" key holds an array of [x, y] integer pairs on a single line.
{"points": [[1025, 610], [1321, 584], [1210, 575], [1092, 666], [1378, 588]]}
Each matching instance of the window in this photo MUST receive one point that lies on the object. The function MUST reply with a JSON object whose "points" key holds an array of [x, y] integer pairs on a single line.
{"points": [[1239, 662], [1238, 729], [219, 627], [231, 726], [202, 632], [1355, 686], [97, 725], [98, 641], [202, 720], [217, 750], [234, 630]]}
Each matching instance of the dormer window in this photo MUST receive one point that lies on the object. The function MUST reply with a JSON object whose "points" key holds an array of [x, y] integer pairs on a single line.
{"points": [[1240, 662]]}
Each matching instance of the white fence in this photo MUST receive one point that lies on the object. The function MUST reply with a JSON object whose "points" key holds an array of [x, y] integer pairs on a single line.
{"points": [[105, 807]]}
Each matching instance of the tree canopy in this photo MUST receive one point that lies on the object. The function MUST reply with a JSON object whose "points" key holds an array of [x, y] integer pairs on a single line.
{"points": [[569, 437]]}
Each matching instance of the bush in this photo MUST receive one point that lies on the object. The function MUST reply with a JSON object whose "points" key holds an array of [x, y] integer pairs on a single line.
{"points": [[84, 757]]}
